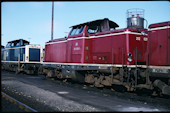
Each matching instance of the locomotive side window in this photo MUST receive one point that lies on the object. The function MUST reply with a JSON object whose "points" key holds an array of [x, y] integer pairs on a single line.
{"points": [[77, 30], [111, 29], [26, 43], [17, 44], [94, 29]]}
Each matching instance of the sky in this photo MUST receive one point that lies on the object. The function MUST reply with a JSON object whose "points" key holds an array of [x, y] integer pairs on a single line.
{"points": [[32, 20]]}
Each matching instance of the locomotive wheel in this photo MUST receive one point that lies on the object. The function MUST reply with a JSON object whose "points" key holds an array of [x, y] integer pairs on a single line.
{"points": [[50, 74]]}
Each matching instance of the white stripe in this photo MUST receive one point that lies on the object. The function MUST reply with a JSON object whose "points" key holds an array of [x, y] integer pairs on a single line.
{"points": [[76, 38], [31, 46], [15, 47], [103, 36], [20, 62], [112, 34], [82, 64], [55, 42], [158, 28], [159, 67], [108, 65], [104, 65], [34, 46]]}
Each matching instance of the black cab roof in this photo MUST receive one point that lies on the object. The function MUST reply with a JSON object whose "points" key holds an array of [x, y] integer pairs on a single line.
{"points": [[99, 21], [19, 40]]}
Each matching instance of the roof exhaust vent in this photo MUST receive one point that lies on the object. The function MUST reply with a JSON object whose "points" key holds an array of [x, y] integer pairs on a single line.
{"points": [[135, 18]]}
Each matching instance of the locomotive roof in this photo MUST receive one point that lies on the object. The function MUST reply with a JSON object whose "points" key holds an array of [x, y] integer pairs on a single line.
{"points": [[18, 40], [2, 46], [111, 23], [160, 24]]}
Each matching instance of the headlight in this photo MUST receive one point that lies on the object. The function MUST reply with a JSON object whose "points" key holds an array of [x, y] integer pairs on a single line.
{"points": [[27, 58], [129, 57], [130, 54]]}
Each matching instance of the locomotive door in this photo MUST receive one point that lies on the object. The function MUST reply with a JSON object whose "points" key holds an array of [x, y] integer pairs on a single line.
{"points": [[158, 47], [154, 49], [75, 51]]}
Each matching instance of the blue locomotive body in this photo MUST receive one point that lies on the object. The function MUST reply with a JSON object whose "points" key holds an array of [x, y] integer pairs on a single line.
{"points": [[20, 50], [19, 55]]}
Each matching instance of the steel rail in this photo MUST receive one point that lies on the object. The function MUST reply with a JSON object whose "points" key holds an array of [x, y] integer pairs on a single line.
{"points": [[21, 105]]}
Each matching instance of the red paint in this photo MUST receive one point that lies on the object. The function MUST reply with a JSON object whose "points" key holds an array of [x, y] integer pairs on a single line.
{"points": [[56, 52], [159, 44]]}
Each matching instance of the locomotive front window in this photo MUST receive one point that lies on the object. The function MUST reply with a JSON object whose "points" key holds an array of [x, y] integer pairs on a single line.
{"points": [[77, 30], [73, 32], [81, 29], [8, 45], [12, 44]]}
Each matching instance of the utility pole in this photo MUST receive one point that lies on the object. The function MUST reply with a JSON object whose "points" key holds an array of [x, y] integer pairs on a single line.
{"points": [[52, 20]]}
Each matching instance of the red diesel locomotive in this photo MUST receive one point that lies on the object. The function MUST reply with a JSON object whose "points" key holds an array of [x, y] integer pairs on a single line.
{"points": [[100, 43]]}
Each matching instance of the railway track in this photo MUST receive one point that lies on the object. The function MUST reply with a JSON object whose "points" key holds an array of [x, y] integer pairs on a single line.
{"points": [[50, 91], [18, 103]]}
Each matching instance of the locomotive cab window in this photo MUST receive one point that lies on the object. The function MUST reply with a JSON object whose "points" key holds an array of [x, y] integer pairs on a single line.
{"points": [[15, 44], [8, 45], [94, 29], [76, 30], [24, 43], [111, 29], [12, 44]]}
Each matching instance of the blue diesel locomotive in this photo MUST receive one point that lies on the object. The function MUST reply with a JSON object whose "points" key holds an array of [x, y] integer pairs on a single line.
{"points": [[20, 55]]}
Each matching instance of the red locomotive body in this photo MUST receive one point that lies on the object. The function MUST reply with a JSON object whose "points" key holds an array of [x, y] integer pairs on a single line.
{"points": [[159, 44], [55, 51], [100, 43]]}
